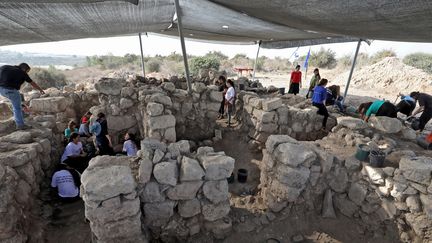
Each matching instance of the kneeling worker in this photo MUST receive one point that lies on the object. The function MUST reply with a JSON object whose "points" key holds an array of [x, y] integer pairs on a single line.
{"points": [[380, 108]]}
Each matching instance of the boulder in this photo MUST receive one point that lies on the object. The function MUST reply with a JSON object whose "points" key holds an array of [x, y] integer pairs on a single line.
{"points": [[427, 204], [125, 230], [161, 99], [293, 177], [126, 103], [189, 208], [408, 133], [339, 181], [151, 193], [158, 214], [327, 209], [417, 169], [190, 170], [112, 210], [357, 193], [293, 154], [352, 164], [109, 86], [49, 104], [345, 206], [284, 192], [271, 104], [351, 122], [216, 96], [166, 173], [162, 122], [168, 86], [154, 109], [386, 124], [216, 191], [19, 137], [118, 123], [212, 212], [375, 175], [198, 87], [184, 190], [145, 171], [217, 167], [413, 203]]}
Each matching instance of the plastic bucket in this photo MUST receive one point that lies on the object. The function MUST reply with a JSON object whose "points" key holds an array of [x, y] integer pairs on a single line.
{"points": [[282, 91], [377, 158], [231, 179], [362, 152], [242, 175]]}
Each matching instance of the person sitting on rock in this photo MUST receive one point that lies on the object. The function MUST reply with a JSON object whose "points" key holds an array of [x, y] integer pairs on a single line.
{"points": [[318, 100], [425, 106], [72, 127], [74, 155], [67, 181], [407, 104], [230, 97], [129, 146], [380, 108]]}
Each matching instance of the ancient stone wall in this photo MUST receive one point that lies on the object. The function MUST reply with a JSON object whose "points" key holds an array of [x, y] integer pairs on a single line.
{"points": [[25, 160], [262, 116], [295, 172], [166, 193]]}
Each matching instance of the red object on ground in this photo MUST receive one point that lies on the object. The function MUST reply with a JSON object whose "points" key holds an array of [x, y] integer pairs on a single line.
{"points": [[429, 138], [240, 70]]}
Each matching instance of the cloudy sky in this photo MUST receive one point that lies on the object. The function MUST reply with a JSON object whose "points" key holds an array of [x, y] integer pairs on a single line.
{"points": [[153, 45]]}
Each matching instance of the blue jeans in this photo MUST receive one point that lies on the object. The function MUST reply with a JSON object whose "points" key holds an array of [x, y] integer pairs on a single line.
{"points": [[14, 96]]}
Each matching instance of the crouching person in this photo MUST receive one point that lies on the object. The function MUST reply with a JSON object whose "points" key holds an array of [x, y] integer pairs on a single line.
{"points": [[67, 182]]}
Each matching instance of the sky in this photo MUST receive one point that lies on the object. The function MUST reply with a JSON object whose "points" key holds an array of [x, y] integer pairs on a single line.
{"points": [[155, 44]]}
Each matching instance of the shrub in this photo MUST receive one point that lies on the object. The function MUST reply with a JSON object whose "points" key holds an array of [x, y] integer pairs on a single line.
{"points": [[216, 54], [153, 65], [324, 58], [381, 55], [198, 63], [346, 60], [47, 78], [419, 60]]}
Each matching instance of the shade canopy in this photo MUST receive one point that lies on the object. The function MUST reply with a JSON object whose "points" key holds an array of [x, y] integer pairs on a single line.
{"points": [[278, 23]]}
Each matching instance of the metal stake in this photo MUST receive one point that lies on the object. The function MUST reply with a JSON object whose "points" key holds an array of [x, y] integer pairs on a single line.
{"points": [[142, 55], [180, 30], [352, 70], [256, 61]]}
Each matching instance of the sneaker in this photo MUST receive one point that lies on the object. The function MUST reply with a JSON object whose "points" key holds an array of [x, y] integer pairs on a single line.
{"points": [[23, 127]]}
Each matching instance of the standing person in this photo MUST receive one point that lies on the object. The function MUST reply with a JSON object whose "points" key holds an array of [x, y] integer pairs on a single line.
{"points": [[425, 106], [295, 81], [222, 88], [67, 182], [84, 129], [318, 100], [74, 155], [230, 99], [103, 139], [406, 105], [129, 146], [11, 79], [380, 108], [314, 81]]}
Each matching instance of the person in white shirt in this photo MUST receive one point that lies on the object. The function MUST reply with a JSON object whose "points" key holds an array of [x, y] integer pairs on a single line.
{"points": [[129, 146], [67, 181], [74, 155], [230, 97]]}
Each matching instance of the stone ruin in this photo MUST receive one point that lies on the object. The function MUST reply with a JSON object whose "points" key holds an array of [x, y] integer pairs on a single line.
{"points": [[176, 189]]}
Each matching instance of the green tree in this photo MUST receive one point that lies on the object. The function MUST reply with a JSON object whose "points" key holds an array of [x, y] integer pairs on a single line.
{"points": [[324, 58], [419, 60], [198, 63]]}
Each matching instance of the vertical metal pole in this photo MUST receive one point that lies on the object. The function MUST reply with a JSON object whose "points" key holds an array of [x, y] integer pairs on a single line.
{"points": [[256, 60], [180, 30], [352, 70], [142, 55]]}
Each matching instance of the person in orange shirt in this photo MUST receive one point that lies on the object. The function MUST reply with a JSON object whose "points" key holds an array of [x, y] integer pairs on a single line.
{"points": [[295, 82]]}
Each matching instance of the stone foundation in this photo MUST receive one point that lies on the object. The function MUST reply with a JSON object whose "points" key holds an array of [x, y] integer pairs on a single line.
{"points": [[167, 193]]}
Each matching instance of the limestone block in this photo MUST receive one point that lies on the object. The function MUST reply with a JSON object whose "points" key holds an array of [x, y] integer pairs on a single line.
{"points": [[186, 107], [185, 190], [345, 206], [417, 169], [158, 214], [256, 103], [109, 86], [274, 140], [217, 167], [190, 170], [271, 104], [168, 86], [126, 103], [339, 181], [153, 144], [17, 157], [293, 177], [352, 164], [162, 122], [154, 109], [397, 191], [145, 171], [357, 193], [267, 128], [118, 123], [284, 192], [189, 208], [386, 124], [426, 201], [151, 193], [170, 135], [49, 104], [127, 92], [212, 212], [216, 96], [102, 183], [198, 87], [351, 122], [413, 203], [375, 175], [161, 99], [19, 137], [408, 133], [113, 209], [166, 173], [282, 113], [293, 154], [216, 191], [327, 209]]}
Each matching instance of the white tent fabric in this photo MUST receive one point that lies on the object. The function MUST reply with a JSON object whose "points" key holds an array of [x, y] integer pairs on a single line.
{"points": [[278, 23]]}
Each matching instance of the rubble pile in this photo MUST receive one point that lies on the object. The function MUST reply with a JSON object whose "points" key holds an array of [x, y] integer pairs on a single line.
{"points": [[168, 190]]}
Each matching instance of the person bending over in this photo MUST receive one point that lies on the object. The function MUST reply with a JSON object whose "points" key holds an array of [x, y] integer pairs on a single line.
{"points": [[11, 79], [67, 182], [425, 106], [380, 108], [407, 105], [318, 100]]}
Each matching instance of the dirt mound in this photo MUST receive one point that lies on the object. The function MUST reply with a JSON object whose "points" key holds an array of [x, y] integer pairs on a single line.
{"points": [[389, 76]]}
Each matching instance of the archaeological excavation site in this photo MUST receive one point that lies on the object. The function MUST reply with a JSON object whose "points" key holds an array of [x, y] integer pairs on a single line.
{"points": [[272, 176]]}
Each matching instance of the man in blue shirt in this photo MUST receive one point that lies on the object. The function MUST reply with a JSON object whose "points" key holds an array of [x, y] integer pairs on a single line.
{"points": [[11, 79]]}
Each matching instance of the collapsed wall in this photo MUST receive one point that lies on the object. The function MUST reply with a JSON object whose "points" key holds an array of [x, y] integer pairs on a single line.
{"points": [[166, 193], [25, 160], [390, 201]]}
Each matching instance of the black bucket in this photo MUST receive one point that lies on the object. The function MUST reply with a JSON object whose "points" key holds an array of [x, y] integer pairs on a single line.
{"points": [[242, 175], [231, 179], [282, 91], [377, 158], [241, 86]]}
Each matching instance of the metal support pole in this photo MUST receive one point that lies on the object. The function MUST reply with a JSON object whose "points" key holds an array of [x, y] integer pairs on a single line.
{"points": [[352, 70], [256, 61], [142, 56], [180, 30]]}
